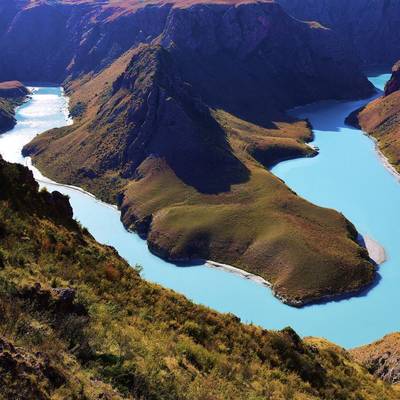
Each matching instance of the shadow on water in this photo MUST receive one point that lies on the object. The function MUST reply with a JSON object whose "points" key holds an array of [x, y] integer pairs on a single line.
{"points": [[329, 116], [341, 298]]}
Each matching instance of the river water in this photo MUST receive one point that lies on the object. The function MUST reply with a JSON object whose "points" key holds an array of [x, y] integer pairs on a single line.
{"points": [[347, 175]]}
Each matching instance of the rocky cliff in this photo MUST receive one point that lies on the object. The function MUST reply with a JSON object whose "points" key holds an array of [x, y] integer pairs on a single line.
{"points": [[381, 358], [369, 26], [393, 85], [12, 94], [65, 39]]}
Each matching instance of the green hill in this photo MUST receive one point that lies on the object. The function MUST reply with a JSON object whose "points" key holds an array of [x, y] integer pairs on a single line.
{"points": [[77, 322]]}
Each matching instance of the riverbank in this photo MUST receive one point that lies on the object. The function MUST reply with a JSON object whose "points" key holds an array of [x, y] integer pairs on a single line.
{"points": [[254, 278], [384, 160], [376, 252]]}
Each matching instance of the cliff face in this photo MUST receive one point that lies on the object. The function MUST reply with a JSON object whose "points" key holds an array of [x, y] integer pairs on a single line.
{"points": [[381, 358], [253, 60], [370, 26], [393, 85], [65, 39], [12, 94]]}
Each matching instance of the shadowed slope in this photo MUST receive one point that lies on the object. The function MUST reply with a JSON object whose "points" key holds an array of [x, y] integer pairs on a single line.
{"points": [[12, 94], [149, 111]]}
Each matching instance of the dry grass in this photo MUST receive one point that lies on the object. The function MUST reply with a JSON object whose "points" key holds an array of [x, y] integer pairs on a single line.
{"points": [[138, 341]]}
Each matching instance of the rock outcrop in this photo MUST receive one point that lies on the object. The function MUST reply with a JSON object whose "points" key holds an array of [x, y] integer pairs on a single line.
{"points": [[26, 375], [381, 358], [13, 90], [12, 94], [26, 196], [393, 85], [59, 301]]}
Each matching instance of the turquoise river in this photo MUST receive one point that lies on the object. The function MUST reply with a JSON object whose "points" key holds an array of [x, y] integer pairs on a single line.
{"points": [[347, 175]]}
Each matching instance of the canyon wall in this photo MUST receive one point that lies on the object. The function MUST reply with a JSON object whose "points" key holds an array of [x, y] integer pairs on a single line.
{"points": [[370, 26]]}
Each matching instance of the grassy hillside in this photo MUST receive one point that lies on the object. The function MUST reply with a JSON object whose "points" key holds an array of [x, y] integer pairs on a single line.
{"points": [[193, 180], [77, 322], [381, 119]]}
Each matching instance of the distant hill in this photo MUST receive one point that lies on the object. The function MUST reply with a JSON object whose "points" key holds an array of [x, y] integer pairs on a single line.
{"points": [[369, 26]]}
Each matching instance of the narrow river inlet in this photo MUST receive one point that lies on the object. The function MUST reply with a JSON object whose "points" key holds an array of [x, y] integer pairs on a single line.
{"points": [[347, 175]]}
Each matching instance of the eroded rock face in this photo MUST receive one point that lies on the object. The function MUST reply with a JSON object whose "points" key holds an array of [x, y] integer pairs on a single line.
{"points": [[253, 60], [12, 94], [26, 196], [61, 40], [26, 375], [13, 90], [381, 358], [60, 301], [393, 85]]}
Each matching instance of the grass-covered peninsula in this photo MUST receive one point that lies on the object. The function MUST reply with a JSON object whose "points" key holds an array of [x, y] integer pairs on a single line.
{"points": [[194, 180], [77, 322]]}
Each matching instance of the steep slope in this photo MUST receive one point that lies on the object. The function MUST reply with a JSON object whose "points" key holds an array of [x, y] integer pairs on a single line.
{"points": [[369, 26], [381, 358], [77, 322], [12, 94], [381, 119], [192, 180]]}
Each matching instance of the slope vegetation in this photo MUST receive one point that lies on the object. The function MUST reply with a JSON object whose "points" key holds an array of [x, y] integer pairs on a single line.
{"points": [[381, 358], [77, 322], [381, 119]]}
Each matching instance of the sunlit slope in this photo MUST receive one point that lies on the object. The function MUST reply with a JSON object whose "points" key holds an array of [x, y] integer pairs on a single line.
{"points": [[77, 322]]}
